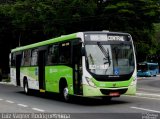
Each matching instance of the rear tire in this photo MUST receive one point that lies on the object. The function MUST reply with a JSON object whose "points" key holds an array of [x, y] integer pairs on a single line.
{"points": [[26, 89]]}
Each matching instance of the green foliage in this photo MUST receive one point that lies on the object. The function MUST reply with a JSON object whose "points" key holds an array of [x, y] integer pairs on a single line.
{"points": [[130, 16], [29, 21], [156, 37]]}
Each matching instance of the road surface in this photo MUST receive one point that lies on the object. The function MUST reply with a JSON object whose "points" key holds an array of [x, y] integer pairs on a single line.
{"points": [[146, 103]]}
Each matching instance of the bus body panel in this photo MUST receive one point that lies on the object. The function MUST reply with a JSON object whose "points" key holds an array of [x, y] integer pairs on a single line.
{"points": [[132, 87], [13, 75], [53, 76], [91, 85], [31, 73], [112, 84], [130, 90], [145, 74]]}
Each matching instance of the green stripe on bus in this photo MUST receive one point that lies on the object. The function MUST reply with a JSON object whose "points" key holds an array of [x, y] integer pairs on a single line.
{"points": [[43, 43]]}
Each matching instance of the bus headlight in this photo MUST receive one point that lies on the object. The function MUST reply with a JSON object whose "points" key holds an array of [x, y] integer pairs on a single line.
{"points": [[90, 82]]}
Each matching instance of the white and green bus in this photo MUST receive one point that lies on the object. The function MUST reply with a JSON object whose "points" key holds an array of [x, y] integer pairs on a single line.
{"points": [[93, 63]]}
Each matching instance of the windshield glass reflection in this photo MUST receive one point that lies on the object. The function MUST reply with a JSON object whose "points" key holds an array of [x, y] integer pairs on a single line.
{"points": [[110, 59]]}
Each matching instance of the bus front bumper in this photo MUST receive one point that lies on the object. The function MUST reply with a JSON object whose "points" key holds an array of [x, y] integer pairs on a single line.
{"points": [[96, 91]]}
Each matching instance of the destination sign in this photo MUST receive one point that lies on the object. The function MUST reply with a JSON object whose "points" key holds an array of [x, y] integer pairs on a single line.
{"points": [[106, 37], [98, 37], [116, 38]]}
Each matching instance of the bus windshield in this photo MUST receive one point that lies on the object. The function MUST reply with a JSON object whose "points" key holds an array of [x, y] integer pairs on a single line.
{"points": [[142, 67], [117, 59]]}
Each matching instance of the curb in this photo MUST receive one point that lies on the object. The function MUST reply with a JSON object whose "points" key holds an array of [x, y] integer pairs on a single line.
{"points": [[139, 78], [8, 83]]}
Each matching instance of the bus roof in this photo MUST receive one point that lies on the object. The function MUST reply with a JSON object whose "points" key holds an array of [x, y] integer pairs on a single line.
{"points": [[61, 38], [53, 40]]}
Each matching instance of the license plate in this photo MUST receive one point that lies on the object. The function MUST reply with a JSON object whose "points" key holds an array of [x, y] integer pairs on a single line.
{"points": [[114, 94]]}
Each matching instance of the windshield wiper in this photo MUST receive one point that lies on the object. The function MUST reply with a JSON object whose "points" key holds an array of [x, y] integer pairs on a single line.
{"points": [[116, 52], [105, 53]]}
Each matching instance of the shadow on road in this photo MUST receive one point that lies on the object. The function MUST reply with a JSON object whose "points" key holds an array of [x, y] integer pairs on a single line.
{"points": [[93, 101]]}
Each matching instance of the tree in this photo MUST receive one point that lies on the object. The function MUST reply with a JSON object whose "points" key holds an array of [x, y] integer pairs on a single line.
{"points": [[29, 21], [130, 16]]}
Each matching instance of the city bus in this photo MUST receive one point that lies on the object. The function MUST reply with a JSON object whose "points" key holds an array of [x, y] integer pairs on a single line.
{"points": [[87, 64], [148, 69]]}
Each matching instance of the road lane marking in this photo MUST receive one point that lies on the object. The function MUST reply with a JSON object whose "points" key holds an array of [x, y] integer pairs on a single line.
{"points": [[148, 89], [153, 94], [40, 110], [9, 101], [145, 109], [22, 105], [143, 97]]}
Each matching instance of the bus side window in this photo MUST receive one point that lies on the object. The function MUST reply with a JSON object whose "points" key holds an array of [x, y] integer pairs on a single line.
{"points": [[65, 53], [34, 58], [53, 52], [26, 58]]}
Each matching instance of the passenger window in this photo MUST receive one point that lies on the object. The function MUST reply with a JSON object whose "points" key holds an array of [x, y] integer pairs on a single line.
{"points": [[53, 52], [26, 58], [65, 53], [34, 57]]}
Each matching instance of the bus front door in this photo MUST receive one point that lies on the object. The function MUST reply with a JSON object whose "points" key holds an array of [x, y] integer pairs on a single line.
{"points": [[18, 64], [77, 68], [41, 70]]}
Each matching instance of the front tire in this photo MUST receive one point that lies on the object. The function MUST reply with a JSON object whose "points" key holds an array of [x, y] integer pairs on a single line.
{"points": [[64, 91], [66, 94]]}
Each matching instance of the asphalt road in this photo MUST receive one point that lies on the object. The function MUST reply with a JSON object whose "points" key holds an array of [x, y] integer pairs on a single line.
{"points": [[144, 105]]}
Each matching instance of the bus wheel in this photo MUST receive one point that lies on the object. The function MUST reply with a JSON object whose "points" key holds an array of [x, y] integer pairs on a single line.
{"points": [[26, 89], [66, 94]]}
